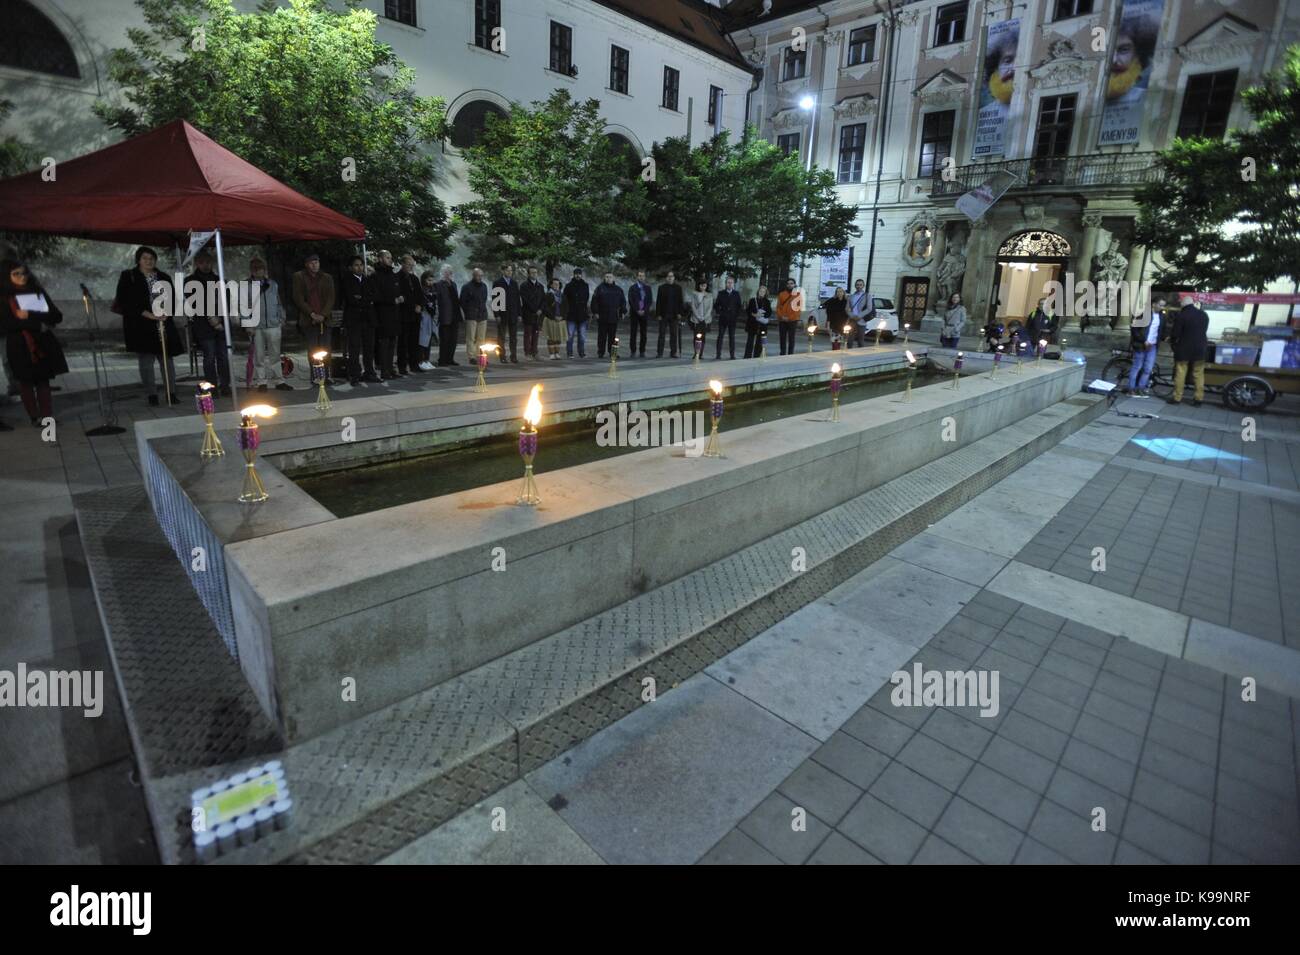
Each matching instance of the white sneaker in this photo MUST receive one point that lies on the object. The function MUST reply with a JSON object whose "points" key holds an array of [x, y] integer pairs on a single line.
{"points": [[425, 366]]}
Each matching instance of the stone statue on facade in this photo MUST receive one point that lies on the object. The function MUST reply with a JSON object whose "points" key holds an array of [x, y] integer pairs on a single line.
{"points": [[951, 270], [1112, 264]]}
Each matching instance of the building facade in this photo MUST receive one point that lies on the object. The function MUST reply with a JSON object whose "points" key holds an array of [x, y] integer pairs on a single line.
{"points": [[660, 68], [1063, 102]]}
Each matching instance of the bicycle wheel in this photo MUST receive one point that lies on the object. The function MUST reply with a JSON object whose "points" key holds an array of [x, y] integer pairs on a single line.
{"points": [[1116, 371], [1161, 385]]}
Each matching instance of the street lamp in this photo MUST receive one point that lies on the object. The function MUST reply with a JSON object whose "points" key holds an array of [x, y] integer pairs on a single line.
{"points": [[808, 103]]}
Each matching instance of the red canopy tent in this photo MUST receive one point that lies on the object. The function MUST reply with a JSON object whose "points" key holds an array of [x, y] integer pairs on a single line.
{"points": [[162, 185]]}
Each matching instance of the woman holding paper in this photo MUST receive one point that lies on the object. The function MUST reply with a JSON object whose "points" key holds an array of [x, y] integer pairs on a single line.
{"points": [[26, 317]]}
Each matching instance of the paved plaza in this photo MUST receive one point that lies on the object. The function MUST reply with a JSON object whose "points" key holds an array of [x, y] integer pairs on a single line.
{"points": [[1115, 691]]}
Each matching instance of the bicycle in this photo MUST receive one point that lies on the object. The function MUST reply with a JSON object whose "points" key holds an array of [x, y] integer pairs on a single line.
{"points": [[1117, 370]]}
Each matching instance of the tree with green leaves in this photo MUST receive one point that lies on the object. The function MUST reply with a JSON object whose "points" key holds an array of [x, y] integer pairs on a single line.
{"points": [[302, 91], [738, 207], [1226, 213], [17, 157], [552, 188]]}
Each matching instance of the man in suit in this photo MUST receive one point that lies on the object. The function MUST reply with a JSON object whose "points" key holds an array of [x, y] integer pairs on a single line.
{"points": [[640, 300], [449, 318], [359, 322], [727, 307], [408, 341], [474, 309], [608, 303], [532, 298], [388, 320], [1188, 338], [506, 309], [577, 304], [670, 305]]}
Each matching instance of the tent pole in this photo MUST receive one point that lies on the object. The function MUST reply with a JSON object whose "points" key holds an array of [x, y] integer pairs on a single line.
{"points": [[225, 318]]}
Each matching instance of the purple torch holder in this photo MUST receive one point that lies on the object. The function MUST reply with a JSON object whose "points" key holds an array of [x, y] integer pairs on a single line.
{"points": [[317, 373], [203, 401], [249, 436], [527, 444], [997, 357], [957, 362], [1039, 349], [482, 359], [715, 407], [836, 384]]}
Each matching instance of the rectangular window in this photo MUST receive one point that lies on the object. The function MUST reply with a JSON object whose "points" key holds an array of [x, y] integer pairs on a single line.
{"points": [[788, 143], [1206, 104], [618, 60], [561, 48], [936, 142], [715, 106], [950, 24], [796, 64], [862, 45], [671, 81], [403, 11], [853, 142], [1055, 126], [1065, 9], [487, 18]]}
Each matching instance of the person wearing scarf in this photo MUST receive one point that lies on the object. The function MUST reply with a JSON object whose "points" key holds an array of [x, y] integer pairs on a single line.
{"points": [[34, 354]]}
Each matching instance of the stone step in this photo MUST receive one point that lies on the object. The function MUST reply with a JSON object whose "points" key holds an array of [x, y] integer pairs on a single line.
{"points": [[371, 786]]}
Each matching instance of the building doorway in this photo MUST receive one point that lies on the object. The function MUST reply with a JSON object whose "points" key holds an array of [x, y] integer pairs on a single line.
{"points": [[1026, 265], [915, 293]]}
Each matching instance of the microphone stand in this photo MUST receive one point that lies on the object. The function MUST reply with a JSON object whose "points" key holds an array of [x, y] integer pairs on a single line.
{"points": [[106, 412]]}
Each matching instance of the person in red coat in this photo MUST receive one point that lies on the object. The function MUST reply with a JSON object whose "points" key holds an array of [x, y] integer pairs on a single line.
{"points": [[33, 352]]}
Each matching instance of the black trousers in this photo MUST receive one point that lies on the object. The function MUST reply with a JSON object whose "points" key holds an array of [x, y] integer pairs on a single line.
{"points": [[728, 329], [385, 352], [508, 329], [408, 346], [672, 328], [447, 335], [361, 348], [606, 332], [752, 339], [788, 331], [636, 337]]}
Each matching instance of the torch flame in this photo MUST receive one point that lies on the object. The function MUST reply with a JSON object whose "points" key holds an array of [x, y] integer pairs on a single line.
{"points": [[911, 359], [533, 410], [847, 329], [835, 368], [320, 355], [1042, 342], [716, 387], [206, 386], [258, 411]]}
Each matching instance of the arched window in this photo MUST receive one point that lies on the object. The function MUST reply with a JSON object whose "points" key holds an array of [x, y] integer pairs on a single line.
{"points": [[1037, 243], [29, 41], [624, 145], [467, 128]]}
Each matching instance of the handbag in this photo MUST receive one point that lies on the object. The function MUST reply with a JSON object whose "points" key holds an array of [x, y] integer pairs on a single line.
{"points": [[426, 328]]}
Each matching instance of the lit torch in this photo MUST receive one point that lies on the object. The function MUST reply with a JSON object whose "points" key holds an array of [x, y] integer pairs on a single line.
{"points": [[250, 439], [204, 401], [528, 447], [837, 382], [713, 449], [320, 375]]}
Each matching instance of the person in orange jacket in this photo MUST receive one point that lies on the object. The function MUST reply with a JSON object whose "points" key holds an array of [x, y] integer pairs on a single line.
{"points": [[789, 313]]}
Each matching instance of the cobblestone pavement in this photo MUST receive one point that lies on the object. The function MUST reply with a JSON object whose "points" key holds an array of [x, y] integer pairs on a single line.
{"points": [[1119, 737]]}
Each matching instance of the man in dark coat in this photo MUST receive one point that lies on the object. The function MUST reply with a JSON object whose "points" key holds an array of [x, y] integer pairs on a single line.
{"points": [[640, 302], [727, 307], [670, 305], [532, 301], [202, 290], [609, 305], [506, 308], [577, 295], [359, 322], [448, 318], [474, 310], [1188, 338], [388, 320], [408, 340]]}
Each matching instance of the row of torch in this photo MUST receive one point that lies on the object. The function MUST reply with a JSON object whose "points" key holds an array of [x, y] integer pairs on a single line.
{"points": [[254, 491]]}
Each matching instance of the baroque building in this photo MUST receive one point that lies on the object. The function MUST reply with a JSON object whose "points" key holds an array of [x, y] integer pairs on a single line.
{"points": [[1062, 103]]}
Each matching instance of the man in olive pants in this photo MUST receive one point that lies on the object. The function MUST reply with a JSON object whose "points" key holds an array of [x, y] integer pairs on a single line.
{"points": [[1188, 337]]}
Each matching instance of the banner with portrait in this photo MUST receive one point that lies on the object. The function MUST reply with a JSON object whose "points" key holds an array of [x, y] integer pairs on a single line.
{"points": [[836, 269], [1129, 71], [996, 88]]}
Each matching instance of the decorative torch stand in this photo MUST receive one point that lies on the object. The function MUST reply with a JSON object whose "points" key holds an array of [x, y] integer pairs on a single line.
{"points": [[1042, 350], [1020, 357], [997, 360], [211, 443], [846, 334], [713, 449], [812, 331], [880, 330], [762, 344], [911, 375], [699, 348], [1060, 355], [613, 357], [956, 370], [480, 383], [906, 328], [837, 383], [528, 448], [250, 440], [319, 377]]}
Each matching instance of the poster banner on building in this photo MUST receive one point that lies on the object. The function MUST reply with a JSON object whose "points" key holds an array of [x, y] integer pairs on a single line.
{"points": [[836, 270], [1130, 71], [995, 92], [980, 199]]}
